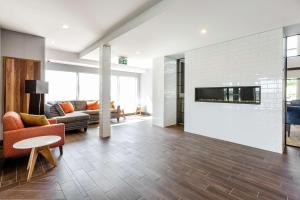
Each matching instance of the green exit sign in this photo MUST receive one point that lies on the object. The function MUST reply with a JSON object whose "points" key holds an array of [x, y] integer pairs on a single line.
{"points": [[123, 60]]}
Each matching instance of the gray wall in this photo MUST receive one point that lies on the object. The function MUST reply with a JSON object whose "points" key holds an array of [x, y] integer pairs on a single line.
{"points": [[20, 45]]}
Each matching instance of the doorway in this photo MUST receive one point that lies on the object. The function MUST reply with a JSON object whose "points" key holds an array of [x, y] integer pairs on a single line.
{"points": [[292, 91], [180, 91]]}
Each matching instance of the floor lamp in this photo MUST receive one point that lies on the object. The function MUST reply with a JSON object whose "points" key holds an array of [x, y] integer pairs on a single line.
{"points": [[37, 90]]}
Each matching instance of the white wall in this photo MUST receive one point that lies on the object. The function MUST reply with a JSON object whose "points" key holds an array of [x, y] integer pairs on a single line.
{"points": [[170, 114], [146, 90], [164, 91], [248, 61], [158, 92]]}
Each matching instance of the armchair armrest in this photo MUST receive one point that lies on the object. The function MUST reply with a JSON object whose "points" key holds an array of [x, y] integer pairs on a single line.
{"points": [[11, 137], [52, 121]]}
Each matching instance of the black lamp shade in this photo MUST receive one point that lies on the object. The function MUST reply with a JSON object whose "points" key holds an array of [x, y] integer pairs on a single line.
{"points": [[36, 87]]}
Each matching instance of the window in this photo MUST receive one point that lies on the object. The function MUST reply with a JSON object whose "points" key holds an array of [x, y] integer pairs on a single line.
{"points": [[62, 85], [291, 90], [124, 91], [88, 86], [114, 89], [128, 93], [65, 85], [292, 46]]}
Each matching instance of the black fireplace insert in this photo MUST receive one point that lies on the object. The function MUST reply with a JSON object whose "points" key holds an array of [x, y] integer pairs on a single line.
{"points": [[238, 94]]}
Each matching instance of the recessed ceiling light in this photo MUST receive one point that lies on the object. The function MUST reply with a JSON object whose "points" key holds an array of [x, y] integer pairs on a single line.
{"points": [[52, 42], [203, 31], [138, 53], [65, 26]]}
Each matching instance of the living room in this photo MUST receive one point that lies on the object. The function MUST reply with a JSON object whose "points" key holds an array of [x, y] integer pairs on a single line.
{"points": [[149, 99]]}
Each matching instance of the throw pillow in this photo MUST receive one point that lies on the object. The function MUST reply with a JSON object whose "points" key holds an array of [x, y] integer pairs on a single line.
{"points": [[34, 120], [67, 107], [59, 110], [92, 105]]}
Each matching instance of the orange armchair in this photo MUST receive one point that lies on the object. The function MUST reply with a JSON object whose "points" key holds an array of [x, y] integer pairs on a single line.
{"points": [[14, 131]]}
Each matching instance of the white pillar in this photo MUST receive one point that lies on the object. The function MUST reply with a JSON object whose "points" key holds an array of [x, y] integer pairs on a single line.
{"points": [[104, 93]]}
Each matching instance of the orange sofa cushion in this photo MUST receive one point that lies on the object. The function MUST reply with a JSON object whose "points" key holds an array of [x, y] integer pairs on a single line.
{"points": [[92, 105], [34, 120], [112, 105], [12, 121], [67, 107]]}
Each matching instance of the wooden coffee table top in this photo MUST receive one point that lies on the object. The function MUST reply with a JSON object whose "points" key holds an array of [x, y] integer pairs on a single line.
{"points": [[34, 142]]}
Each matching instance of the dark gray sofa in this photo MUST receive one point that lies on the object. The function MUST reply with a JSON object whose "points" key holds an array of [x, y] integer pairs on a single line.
{"points": [[80, 118]]}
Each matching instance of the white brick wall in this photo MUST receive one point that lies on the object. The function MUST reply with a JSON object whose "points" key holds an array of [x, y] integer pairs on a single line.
{"points": [[248, 61], [164, 91]]}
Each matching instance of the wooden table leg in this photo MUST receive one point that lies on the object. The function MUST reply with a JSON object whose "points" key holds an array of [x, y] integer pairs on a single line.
{"points": [[45, 151], [31, 162]]}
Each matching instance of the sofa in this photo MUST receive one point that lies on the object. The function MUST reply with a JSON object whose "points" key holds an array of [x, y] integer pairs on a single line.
{"points": [[81, 117], [293, 114], [14, 131]]}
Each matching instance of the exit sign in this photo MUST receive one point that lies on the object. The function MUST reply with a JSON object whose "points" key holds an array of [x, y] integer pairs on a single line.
{"points": [[123, 60]]}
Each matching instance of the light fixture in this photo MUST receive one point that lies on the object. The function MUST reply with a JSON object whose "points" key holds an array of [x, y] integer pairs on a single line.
{"points": [[138, 53], [52, 42], [65, 26], [203, 31]]}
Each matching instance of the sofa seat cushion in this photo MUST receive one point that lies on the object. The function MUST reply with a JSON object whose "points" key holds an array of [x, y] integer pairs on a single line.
{"points": [[72, 117], [91, 112]]}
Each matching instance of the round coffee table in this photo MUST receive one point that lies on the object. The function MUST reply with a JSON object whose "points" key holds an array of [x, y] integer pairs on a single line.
{"points": [[38, 145]]}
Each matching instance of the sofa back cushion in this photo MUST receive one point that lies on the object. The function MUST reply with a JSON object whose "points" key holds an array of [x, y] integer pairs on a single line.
{"points": [[12, 121], [79, 105]]}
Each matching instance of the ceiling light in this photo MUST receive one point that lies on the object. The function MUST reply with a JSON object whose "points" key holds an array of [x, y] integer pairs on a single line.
{"points": [[52, 42], [203, 31], [138, 53], [65, 26]]}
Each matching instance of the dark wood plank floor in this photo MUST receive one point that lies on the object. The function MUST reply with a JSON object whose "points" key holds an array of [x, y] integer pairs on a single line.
{"points": [[143, 162]]}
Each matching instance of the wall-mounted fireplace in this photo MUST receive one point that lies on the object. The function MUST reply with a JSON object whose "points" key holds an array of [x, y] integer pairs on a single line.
{"points": [[239, 94]]}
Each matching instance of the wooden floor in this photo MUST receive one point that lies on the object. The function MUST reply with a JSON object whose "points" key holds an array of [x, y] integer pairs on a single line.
{"points": [[143, 162]]}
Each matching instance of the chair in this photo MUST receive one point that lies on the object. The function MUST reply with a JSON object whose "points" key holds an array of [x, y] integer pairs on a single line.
{"points": [[14, 131], [293, 115]]}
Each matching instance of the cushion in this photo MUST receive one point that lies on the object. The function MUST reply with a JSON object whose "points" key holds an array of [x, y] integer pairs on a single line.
{"points": [[12, 121], [79, 105], [50, 111], [112, 105], [59, 110], [34, 120], [92, 105], [67, 107], [73, 117]]}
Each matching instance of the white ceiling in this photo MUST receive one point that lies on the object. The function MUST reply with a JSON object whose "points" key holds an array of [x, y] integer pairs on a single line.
{"points": [[174, 31], [88, 20], [178, 28]]}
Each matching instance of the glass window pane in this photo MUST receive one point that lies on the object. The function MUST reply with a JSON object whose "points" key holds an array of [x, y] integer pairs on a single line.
{"points": [[62, 85], [114, 94], [291, 90], [88, 86], [292, 42], [292, 52], [128, 93]]}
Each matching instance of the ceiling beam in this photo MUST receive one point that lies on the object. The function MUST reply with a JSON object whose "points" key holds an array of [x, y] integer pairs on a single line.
{"points": [[131, 23]]}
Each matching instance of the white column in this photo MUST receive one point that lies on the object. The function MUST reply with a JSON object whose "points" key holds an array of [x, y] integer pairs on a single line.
{"points": [[104, 97]]}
